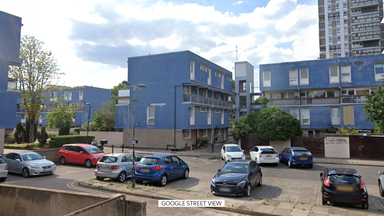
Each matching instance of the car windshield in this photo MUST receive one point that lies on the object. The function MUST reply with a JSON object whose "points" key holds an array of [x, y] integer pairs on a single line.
{"points": [[235, 168], [2, 160], [149, 161], [32, 156], [344, 179], [108, 159], [301, 152], [93, 150], [233, 149], [267, 151]]}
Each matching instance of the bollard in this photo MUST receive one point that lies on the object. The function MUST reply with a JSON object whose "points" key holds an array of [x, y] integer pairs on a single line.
{"points": [[122, 148], [112, 148]]}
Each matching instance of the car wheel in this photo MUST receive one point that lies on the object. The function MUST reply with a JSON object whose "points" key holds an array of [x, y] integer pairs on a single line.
{"points": [[186, 173], [25, 172], [88, 163], [260, 181], [99, 178], [121, 178], [163, 180], [280, 159], [289, 163], [249, 190], [365, 205], [323, 201], [310, 166], [63, 161], [276, 164], [3, 179], [381, 189]]}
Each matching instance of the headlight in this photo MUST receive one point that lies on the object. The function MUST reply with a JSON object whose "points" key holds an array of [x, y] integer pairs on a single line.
{"points": [[36, 167], [243, 157], [213, 182], [96, 157], [241, 184], [228, 156]]}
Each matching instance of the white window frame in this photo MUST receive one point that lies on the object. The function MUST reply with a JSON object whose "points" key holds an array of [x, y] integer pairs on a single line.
{"points": [[222, 118], [204, 133], [379, 75], [267, 82], [305, 116], [192, 115], [229, 111], [346, 73], [332, 78], [209, 116], [66, 95], [217, 110], [81, 94], [149, 117], [292, 80], [335, 115], [295, 112], [209, 79], [192, 70], [203, 109], [187, 134], [187, 90], [304, 81]]}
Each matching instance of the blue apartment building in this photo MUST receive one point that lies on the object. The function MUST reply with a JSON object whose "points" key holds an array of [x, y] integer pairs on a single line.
{"points": [[10, 28], [86, 99], [185, 97], [323, 94]]}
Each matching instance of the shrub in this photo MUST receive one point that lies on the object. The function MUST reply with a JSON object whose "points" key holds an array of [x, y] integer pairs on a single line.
{"points": [[349, 131], [9, 139], [57, 142], [43, 136], [77, 130], [52, 134], [64, 130], [19, 133]]}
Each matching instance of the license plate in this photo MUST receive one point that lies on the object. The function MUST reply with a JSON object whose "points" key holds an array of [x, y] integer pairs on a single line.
{"points": [[225, 189], [345, 189], [303, 158], [269, 156], [145, 170], [105, 168]]}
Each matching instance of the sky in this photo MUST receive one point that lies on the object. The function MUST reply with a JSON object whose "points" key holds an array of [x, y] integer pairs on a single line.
{"points": [[92, 39]]}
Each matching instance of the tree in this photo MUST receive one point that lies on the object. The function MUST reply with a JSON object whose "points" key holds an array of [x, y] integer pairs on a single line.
{"points": [[240, 128], [115, 92], [104, 118], [252, 120], [263, 101], [43, 136], [35, 76], [60, 116], [277, 124], [19, 133], [374, 108], [26, 131]]}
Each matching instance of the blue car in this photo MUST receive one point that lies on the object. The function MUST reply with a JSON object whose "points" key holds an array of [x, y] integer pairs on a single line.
{"points": [[160, 168], [296, 156]]}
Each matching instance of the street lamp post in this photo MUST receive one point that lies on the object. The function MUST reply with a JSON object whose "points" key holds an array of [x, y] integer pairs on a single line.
{"points": [[134, 128], [89, 114]]}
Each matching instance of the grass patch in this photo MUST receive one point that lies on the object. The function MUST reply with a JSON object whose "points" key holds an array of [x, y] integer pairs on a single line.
{"points": [[182, 189]]}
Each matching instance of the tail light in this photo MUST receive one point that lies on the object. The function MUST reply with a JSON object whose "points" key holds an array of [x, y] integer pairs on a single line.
{"points": [[362, 186], [6, 167], [115, 167], [97, 166], [326, 182], [157, 167], [277, 155], [137, 166]]}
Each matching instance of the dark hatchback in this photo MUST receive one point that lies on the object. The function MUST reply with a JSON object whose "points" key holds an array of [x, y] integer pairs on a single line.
{"points": [[343, 185], [237, 178]]}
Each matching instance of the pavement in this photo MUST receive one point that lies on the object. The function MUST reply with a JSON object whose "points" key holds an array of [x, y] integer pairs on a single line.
{"points": [[270, 199]]}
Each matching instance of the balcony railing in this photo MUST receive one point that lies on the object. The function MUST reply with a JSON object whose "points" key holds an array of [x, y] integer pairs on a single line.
{"points": [[207, 101], [353, 99], [356, 4], [79, 109], [318, 101]]}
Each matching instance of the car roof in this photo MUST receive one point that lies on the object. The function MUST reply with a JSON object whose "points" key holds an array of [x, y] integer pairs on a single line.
{"points": [[23, 152], [342, 171], [78, 144], [118, 154], [231, 144], [159, 155], [298, 148], [240, 161], [265, 147]]}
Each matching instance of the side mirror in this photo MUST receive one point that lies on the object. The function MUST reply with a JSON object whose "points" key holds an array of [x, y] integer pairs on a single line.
{"points": [[44, 157], [18, 160], [218, 170], [321, 175], [381, 172], [81, 152]]}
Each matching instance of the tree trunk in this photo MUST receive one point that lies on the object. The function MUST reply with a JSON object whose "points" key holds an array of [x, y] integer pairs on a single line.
{"points": [[31, 130]]}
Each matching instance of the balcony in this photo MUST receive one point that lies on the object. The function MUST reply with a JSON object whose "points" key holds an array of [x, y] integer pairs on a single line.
{"points": [[353, 99], [198, 100], [364, 3], [304, 101]]}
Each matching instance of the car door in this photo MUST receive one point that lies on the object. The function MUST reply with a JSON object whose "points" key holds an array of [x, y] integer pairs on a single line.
{"points": [[253, 153], [69, 153], [253, 173], [284, 155], [168, 167], [19, 165], [80, 155], [11, 162], [178, 167], [126, 163]]}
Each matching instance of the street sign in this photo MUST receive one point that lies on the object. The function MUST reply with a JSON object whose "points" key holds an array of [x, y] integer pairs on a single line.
{"points": [[134, 141]]}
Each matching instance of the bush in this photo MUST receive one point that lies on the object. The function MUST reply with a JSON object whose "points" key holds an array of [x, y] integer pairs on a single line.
{"points": [[43, 136], [21, 146], [64, 130], [9, 139], [59, 141], [52, 134], [77, 130], [19, 133]]}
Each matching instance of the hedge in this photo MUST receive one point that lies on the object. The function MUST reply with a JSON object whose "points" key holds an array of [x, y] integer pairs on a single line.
{"points": [[59, 141]]}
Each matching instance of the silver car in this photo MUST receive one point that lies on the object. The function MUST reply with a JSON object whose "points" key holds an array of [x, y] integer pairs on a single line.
{"points": [[381, 183], [3, 169], [116, 166], [29, 163]]}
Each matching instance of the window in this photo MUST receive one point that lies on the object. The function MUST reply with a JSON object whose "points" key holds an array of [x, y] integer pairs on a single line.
{"points": [[218, 132], [333, 75], [304, 76], [379, 72], [335, 116], [187, 134], [293, 77], [242, 86], [203, 109], [81, 95], [346, 74], [222, 118], [209, 76], [203, 68], [305, 116], [295, 112], [218, 73], [217, 110], [205, 133], [187, 89], [348, 115], [65, 95], [333, 93], [204, 93], [151, 115], [229, 112], [209, 114], [266, 78], [192, 70], [192, 115], [53, 96]]}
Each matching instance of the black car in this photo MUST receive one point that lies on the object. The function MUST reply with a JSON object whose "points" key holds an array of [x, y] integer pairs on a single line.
{"points": [[237, 178], [343, 185]]}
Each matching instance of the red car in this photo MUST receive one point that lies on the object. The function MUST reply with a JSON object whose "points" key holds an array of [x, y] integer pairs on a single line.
{"points": [[80, 154]]}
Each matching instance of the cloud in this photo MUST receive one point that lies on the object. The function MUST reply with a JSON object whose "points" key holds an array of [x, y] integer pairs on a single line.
{"points": [[237, 3]]}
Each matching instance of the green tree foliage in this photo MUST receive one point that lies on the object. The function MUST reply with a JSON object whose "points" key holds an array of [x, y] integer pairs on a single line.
{"points": [[240, 128], [277, 124], [104, 118], [374, 108], [233, 98], [263, 101], [60, 116], [253, 119], [349, 131], [19, 133], [115, 92], [35, 76]]}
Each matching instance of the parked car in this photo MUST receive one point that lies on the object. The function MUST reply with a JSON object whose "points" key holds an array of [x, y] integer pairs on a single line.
{"points": [[80, 154], [232, 152], [343, 185], [117, 166], [264, 154], [29, 163], [381, 183], [3, 169], [296, 156], [237, 178], [160, 168]]}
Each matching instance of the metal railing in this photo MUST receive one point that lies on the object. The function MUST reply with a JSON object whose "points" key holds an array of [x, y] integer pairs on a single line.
{"points": [[318, 101], [207, 101]]}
